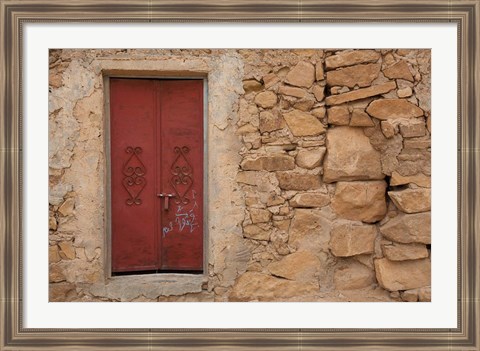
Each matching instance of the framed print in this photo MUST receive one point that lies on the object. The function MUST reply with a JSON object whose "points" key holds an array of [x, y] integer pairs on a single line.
{"points": [[232, 183]]}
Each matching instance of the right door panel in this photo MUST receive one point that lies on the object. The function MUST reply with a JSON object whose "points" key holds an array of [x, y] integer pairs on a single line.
{"points": [[181, 130]]}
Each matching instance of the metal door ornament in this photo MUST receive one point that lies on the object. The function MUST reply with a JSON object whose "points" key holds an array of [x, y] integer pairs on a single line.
{"points": [[182, 175], [134, 180]]}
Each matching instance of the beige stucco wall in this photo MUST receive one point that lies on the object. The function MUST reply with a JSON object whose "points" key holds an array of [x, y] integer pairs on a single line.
{"points": [[318, 175]]}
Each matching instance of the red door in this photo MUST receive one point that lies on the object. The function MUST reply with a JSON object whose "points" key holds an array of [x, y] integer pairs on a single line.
{"points": [[156, 133]]}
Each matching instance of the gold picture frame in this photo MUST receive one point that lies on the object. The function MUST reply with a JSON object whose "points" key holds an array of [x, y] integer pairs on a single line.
{"points": [[16, 13]]}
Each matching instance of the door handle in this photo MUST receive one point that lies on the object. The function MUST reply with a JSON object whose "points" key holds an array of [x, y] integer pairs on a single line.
{"points": [[166, 198]]}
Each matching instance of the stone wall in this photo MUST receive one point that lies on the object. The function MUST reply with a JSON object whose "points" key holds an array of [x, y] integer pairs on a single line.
{"points": [[318, 191]]}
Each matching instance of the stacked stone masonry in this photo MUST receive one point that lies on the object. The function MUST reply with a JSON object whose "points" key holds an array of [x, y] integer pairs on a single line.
{"points": [[324, 192]]}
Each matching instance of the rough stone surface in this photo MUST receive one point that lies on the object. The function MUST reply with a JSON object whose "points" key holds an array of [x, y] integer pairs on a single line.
{"points": [[259, 215], [303, 124], [422, 93], [319, 74], [305, 104], [310, 159], [67, 207], [404, 92], [302, 75], [389, 148], [298, 181], [353, 276], [408, 228], [360, 93], [355, 160], [360, 201], [255, 232], [349, 58], [352, 239], [52, 223], [64, 128], [292, 91], [414, 295], [270, 80], [53, 254], [319, 112], [413, 128], [425, 294], [403, 252], [54, 80], [417, 179], [388, 129], [310, 200], [393, 108], [259, 179], [403, 275], [417, 143], [319, 92], [409, 295], [266, 99], [250, 85], [411, 200], [253, 286], [62, 292], [399, 70], [67, 251], [269, 163], [299, 266], [246, 129], [360, 119], [309, 230], [338, 115], [56, 274], [360, 75], [58, 192], [269, 121]]}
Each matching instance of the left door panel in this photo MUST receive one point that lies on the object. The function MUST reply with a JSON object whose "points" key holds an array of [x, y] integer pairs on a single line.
{"points": [[133, 163]]}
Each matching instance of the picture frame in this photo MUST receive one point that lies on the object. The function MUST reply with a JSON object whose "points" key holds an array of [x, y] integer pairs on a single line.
{"points": [[15, 14]]}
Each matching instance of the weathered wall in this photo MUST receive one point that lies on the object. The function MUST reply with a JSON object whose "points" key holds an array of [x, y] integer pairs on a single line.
{"points": [[318, 175]]}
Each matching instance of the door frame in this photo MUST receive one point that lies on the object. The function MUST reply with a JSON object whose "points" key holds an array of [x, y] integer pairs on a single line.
{"points": [[107, 256]]}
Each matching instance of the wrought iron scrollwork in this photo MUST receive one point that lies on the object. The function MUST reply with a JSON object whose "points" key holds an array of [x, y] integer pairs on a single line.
{"points": [[182, 175], [134, 181]]}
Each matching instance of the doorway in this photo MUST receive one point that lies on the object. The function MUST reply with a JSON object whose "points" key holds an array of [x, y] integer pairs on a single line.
{"points": [[156, 175]]}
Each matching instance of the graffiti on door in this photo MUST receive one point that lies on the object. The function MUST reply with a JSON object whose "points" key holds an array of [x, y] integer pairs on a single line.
{"points": [[185, 218]]}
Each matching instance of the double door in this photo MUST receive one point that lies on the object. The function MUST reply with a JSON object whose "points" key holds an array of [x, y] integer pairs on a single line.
{"points": [[156, 174]]}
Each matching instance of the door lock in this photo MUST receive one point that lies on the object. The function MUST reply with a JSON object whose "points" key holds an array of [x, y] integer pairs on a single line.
{"points": [[166, 198]]}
